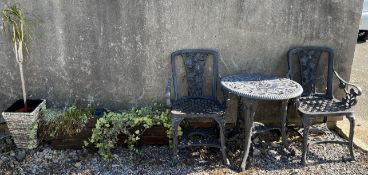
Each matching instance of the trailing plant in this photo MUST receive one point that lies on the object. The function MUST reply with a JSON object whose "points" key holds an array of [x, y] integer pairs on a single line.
{"points": [[132, 123], [15, 23], [68, 122]]}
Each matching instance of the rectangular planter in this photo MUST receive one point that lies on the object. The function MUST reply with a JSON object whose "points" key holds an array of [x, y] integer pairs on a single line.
{"points": [[19, 123], [70, 142], [155, 135]]}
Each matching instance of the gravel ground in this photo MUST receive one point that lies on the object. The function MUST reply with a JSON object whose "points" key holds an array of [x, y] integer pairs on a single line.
{"points": [[268, 157]]}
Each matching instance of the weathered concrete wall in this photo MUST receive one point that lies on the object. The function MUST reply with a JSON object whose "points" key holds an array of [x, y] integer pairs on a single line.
{"points": [[116, 53]]}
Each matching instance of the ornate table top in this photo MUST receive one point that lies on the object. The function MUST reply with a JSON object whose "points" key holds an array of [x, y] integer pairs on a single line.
{"points": [[262, 87]]}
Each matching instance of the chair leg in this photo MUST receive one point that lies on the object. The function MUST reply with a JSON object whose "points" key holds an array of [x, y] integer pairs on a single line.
{"points": [[221, 124], [306, 125], [351, 119], [175, 121]]}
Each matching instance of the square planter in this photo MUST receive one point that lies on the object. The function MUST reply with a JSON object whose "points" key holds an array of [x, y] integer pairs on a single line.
{"points": [[19, 123]]}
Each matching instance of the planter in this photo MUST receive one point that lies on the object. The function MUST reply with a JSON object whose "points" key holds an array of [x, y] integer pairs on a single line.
{"points": [[74, 141], [155, 135], [19, 123], [71, 142]]}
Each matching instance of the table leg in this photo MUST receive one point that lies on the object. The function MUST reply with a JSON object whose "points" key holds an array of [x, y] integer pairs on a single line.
{"points": [[250, 107], [284, 122], [239, 118]]}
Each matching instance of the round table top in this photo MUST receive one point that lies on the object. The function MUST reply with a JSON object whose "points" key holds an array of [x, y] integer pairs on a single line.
{"points": [[262, 87]]}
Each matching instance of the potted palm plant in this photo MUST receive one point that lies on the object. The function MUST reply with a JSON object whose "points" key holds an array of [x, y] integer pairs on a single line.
{"points": [[21, 116]]}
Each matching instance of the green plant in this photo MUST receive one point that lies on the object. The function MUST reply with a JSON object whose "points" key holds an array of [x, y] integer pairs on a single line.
{"points": [[32, 133], [14, 22], [68, 122], [132, 123]]}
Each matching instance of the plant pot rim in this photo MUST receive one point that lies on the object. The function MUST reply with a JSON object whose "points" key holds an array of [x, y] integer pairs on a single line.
{"points": [[12, 108]]}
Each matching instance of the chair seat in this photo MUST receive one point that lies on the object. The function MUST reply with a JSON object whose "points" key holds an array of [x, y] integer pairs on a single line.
{"points": [[322, 105], [197, 106]]}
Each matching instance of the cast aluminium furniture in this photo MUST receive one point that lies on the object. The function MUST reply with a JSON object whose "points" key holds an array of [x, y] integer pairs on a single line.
{"points": [[313, 104], [253, 88], [195, 104]]}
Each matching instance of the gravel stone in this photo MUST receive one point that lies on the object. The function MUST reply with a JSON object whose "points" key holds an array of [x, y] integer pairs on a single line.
{"points": [[20, 155], [256, 152], [265, 159], [78, 164], [256, 140], [272, 152], [275, 145]]}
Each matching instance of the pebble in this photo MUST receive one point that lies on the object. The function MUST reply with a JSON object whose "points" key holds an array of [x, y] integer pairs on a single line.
{"points": [[21, 154], [256, 140], [78, 164], [256, 152], [272, 152], [11, 164], [275, 145], [278, 157]]}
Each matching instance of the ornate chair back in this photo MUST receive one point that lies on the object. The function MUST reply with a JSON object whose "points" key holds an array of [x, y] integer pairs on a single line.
{"points": [[308, 59], [194, 62]]}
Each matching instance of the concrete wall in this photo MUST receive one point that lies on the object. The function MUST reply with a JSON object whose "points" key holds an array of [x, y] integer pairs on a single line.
{"points": [[115, 54]]}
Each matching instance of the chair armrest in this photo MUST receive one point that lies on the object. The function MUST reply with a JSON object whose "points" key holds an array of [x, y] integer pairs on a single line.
{"points": [[168, 92], [351, 91]]}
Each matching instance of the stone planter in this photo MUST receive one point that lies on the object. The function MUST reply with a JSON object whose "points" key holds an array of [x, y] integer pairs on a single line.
{"points": [[19, 123]]}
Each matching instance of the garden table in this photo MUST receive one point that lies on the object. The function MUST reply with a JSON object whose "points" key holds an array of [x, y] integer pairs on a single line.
{"points": [[254, 87]]}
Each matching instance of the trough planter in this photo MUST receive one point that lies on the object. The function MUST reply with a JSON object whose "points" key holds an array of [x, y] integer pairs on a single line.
{"points": [[70, 142], [19, 120], [155, 135]]}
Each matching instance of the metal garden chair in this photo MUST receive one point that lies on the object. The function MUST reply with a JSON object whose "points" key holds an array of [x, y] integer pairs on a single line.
{"points": [[313, 104], [195, 104]]}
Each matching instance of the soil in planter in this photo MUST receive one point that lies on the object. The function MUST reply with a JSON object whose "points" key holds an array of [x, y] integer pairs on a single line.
{"points": [[24, 109], [18, 106]]}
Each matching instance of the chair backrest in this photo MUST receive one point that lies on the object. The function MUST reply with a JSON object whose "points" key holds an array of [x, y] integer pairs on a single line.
{"points": [[309, 58], [194, 62]]}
